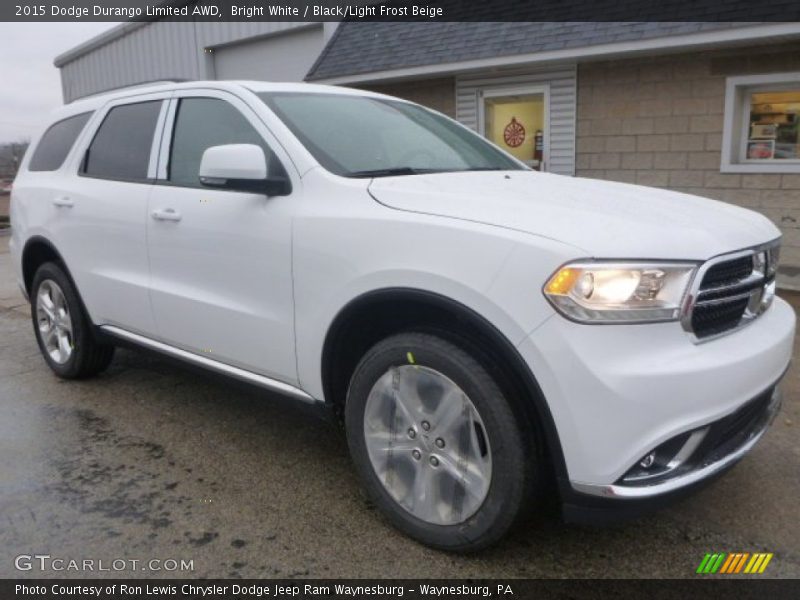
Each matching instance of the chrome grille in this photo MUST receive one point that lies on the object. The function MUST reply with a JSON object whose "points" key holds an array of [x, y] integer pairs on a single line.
{"points": [[714, 318], [731, 290], [727, 272]]}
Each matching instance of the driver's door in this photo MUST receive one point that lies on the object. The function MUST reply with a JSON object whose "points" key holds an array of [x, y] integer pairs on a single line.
{"points": [[220, 260]]}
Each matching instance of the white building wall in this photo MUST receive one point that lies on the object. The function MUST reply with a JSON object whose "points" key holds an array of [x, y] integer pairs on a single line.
{"points": [[285, 56], [140, 52]]}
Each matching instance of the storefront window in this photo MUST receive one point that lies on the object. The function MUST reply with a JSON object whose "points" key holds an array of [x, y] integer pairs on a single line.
{"points": [[761, 131], [774, 126], [515, 123]]}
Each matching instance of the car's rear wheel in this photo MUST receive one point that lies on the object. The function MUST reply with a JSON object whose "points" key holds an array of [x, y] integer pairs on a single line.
{"points": [[437, 444], [62, 329]]}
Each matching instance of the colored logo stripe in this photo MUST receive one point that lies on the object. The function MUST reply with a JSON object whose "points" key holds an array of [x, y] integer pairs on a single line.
{"points": [[734, 562], [758, 563], [727, 564], [711, 563]]}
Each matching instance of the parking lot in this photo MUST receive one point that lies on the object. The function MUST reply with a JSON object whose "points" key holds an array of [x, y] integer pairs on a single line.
{"points": [[151, 460]]}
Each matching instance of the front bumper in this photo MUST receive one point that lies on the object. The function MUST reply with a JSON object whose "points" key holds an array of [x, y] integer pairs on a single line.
{"points": [[619, 392], [706, 452]]}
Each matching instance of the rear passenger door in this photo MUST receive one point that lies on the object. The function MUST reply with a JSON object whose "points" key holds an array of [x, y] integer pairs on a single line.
{"points": [[101, 212], [221, 259]]}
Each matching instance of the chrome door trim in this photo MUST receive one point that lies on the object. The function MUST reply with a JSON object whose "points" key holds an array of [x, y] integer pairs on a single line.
{"points": [[211, 364]]}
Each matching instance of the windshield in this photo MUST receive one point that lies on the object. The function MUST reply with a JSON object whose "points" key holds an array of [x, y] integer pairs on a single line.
{"points": [[358, 136]]}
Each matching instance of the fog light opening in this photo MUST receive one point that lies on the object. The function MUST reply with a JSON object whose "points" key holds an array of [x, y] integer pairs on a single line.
{"points": [[648, 460]]}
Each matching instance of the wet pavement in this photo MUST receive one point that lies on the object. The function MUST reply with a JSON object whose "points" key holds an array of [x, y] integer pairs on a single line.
{"points": [[154, 461]]}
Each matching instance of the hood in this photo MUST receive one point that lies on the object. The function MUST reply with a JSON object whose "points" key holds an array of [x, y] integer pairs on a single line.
{"points": [[603, 219]]}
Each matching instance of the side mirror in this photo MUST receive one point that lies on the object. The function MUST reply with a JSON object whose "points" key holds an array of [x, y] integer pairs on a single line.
{"points": [[241, 167]]}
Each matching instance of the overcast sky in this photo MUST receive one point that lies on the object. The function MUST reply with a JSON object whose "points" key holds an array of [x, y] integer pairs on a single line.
{"points": [[30, 86]]}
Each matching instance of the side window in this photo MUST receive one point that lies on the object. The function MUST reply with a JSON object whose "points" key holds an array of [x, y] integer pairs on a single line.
{"points": [[121, 147], [57, 141], [201, 123]]}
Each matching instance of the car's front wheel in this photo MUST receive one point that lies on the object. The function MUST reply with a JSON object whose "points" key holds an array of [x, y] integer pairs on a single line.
{"points": [[62, 328], [436, 442]]}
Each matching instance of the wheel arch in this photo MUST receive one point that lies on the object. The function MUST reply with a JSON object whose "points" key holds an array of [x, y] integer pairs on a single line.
{"points": [[377, 314], [37, 251]]}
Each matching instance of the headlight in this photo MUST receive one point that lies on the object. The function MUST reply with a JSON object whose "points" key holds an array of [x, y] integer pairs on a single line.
{"points": [[605, 292]]}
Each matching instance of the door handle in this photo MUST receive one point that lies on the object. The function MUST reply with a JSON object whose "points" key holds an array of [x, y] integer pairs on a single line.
{"points": [[166, 214], [63, 202]]}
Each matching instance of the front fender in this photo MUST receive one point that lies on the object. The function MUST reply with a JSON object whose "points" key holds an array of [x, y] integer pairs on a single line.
{"points": [[491, 271]]}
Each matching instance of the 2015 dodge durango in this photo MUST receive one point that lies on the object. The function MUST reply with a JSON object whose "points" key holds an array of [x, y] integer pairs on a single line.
{"points": [[483, 330]]}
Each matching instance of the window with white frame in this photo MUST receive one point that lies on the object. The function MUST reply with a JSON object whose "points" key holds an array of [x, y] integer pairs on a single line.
{"points": [[762, 124]]}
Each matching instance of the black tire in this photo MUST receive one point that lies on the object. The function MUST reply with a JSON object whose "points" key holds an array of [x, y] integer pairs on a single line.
{"points": [[513, 469], [88, 357]]}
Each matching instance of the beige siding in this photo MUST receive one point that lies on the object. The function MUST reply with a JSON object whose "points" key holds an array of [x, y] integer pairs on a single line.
{"points": [[658, 122]]}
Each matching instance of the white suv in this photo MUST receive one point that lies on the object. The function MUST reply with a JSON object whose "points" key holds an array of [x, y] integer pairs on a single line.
{"points": [[482, 329]]}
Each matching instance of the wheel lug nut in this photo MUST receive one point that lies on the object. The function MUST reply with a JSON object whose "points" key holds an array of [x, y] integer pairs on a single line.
{"points": [[426, 426], [434, 461], [416, 454], [411, 433], [439, 443]]}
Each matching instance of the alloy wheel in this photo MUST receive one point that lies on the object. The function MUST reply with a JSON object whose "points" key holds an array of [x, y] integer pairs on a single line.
{"points": [[427, 444], [54, 321]]}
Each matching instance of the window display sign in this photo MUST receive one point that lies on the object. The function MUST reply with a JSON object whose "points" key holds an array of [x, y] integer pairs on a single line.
{"points": [[514, 134], [774, 126], [760, 149]]}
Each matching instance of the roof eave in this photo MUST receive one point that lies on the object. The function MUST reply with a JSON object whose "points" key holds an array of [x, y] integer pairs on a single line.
{"points": [[712, 39]]}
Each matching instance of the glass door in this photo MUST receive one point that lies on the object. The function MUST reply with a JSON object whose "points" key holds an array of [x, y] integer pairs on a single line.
{"points": [[517, 121]]}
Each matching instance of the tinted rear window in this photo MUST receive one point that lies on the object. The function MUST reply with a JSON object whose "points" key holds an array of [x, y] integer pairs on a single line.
{"points": [[56, 143], [121, 147]]}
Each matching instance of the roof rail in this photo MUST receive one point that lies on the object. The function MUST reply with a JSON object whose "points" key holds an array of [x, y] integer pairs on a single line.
{"points": [[134, 85]]}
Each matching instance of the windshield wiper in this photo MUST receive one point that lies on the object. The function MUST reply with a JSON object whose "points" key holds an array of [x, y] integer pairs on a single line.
{"points": [[389, 172], [392, 171]]}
